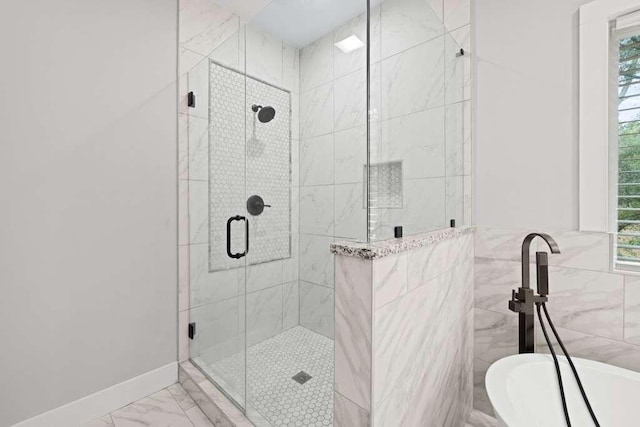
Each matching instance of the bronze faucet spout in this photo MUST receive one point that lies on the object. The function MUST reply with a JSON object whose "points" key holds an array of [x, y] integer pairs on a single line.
{"points": [[526, 244]]}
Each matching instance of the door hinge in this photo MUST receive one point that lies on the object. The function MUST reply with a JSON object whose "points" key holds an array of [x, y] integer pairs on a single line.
{"points": [[191, 100], [192, 330]]}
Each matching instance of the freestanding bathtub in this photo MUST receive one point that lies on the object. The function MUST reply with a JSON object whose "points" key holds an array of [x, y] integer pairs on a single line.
{"points": [[523, 390]]}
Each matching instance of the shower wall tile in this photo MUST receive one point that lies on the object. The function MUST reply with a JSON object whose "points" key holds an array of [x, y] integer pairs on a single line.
{"points": [[290, 265], [468, 199], [183, 337], [350, 155], [183, 146], [188, 59], [500, 243], [291, 68], [496, 335], [264, 314], [183, 278], [295, 116], [418, 140], [316, 262], [198, 211], [454, 71], [316, 308], [228, 53], [481, 400], [316, 160], [263, 56], [183, 89], [581, 250], [354, 323], [218, 331], [207, 287], [425, 327], [204, 25], [183, 212], [350, 94], [316, 111], [413, 80], [295, 164], [199, 85], [592, 347], [198, 148], [455, 198], [494, 280], [346, 63], [457, 13], [587, 301], [462, 37], [423, 206], [467, 138], [264, 275], [632, 309], [290, 305], [316, 210], [348, 414], [316, 63], [410, 329], [390, 278], [350, 214], [407, 23], [458, 143]]}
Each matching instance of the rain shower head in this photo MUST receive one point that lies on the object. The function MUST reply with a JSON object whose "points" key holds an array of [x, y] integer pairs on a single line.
{"points": [[265, 114]]}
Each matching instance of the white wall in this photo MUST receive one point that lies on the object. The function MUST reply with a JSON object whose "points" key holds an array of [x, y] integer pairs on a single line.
{"points": [[527, 113], [88, 197]]}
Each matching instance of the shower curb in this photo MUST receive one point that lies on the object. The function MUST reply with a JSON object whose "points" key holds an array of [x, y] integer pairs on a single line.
{"points": [[216, 406]]}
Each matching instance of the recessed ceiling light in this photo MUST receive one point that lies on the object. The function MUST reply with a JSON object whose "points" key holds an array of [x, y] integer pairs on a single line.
{"points": [[350, 44]]}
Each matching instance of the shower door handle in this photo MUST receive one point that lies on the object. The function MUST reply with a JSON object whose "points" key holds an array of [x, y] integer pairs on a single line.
{"points": [[246, 235]]}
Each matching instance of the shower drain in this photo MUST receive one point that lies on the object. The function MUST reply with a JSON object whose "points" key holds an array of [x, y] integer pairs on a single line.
{"points": [[301, 377]]}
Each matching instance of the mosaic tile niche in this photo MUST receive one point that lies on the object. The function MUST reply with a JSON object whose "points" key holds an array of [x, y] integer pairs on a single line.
{"points": [[238, 169]]}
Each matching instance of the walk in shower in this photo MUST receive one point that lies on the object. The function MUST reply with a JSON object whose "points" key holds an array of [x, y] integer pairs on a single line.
{"points": [[281, 159]]}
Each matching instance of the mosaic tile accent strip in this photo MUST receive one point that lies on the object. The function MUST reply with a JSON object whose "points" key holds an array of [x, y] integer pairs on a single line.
{"points": [[271, 391], [390, 247], [238, 170]]}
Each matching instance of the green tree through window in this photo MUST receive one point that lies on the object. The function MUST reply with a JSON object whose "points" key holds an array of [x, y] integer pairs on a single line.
{"points": [[629, 150]]}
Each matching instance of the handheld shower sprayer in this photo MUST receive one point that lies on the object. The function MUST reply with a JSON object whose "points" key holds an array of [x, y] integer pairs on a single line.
{"points": [[523, 302]]}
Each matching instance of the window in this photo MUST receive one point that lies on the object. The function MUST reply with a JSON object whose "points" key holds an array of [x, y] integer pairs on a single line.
{"points": [[627, 155]]}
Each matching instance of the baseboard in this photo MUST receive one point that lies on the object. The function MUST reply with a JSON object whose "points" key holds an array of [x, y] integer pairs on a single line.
{"points": [[95, 405]]}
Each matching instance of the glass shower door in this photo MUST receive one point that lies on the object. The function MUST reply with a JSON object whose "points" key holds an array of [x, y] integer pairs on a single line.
{"points": [[219, 225]]}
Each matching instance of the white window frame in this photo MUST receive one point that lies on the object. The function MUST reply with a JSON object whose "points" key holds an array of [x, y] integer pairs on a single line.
{"points": [[597, 187]]}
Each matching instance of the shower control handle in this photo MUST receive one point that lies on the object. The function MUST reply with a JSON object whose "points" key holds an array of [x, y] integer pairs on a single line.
{"points": [[256, 205], [246, 235]]}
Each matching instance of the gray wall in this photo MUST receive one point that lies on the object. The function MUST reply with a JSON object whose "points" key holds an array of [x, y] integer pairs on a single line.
{"points": [[88, 182], [527, 113]]}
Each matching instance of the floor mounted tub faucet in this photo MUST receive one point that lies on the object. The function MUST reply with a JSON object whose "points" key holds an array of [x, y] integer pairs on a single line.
{"points": [[524, 300]]}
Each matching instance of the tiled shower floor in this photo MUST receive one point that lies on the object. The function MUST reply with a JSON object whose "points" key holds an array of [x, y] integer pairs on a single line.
{"points": [[277, 399]]}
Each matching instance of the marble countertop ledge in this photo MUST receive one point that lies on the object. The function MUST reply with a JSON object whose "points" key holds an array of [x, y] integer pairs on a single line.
{"points": [[377, 250]]}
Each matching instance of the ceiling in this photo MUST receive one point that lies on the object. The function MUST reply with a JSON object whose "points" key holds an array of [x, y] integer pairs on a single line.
{"points": [[297, 22]]}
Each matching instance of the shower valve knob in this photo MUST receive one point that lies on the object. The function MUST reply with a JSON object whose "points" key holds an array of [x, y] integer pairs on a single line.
{"points": [[255, 205]]}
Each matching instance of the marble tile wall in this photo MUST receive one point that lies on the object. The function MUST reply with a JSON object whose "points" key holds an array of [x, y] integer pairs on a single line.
{"points": [[267, 294], [404, 336], [421, 113], [595, 309]]}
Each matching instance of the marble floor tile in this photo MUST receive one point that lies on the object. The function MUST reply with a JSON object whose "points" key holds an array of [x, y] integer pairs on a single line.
{"points": [[105, 421], [481, 400], [198, 418], [479, 419], [182, 397], [159, 409]]}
